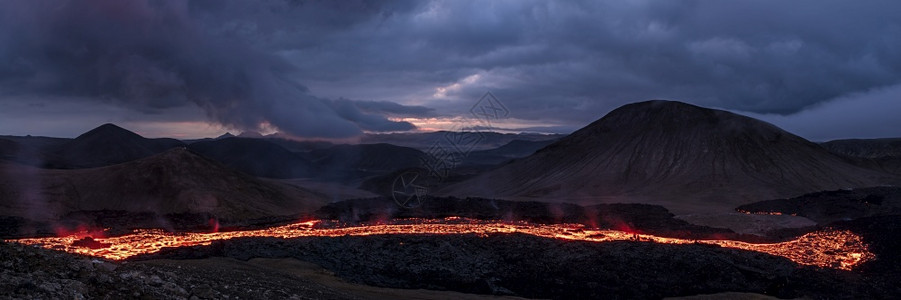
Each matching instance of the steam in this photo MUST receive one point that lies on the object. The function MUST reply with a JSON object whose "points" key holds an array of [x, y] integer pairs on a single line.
{"points": [[154, 55]]}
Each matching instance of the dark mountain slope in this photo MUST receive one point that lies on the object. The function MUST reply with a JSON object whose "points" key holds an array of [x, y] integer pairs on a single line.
{"points": [[107, 145], [678, 155], [176, 181], [8, 149], [511, 150], [349, 162], [255, 156], [830, 206], [865, 148], [29, 150], [881, 154]]}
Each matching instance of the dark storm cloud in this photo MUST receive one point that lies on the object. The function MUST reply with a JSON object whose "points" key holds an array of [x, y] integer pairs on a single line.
{"points": [[390, 108], [154, 55], [870, 115], [577, 60], [353, 110], [565, 63]]}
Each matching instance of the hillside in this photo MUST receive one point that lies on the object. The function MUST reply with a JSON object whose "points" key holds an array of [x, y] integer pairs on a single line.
{"points": [[684, 157], [511, 150], [865, 148], [256, 157], [880, 154], [176, 181], [351, 162]]}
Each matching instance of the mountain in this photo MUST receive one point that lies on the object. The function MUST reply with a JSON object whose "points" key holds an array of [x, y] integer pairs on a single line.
{"points": [[351, 162], [890, 164], [36, 142], [684, 157], [225, 136], [107, 145], [175, 181], [484, 141], [511, 150], [865, 148], [880, 154], [257, 157], [472, 163], [830, 206], [29, 150]]}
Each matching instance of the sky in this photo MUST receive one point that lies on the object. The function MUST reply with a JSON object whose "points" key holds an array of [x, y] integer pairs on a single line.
{"points": [[337, 69]]}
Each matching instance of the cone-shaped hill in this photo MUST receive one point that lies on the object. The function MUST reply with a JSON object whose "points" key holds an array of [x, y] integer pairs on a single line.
{"points": [[678, 155]]}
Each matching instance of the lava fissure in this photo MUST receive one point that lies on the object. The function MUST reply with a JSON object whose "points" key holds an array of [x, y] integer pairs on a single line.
{"points": [[838, 249]]}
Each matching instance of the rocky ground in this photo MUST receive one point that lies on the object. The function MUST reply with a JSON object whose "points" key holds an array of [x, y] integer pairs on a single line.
{"points": [[500, 265], [33, 273], [532, 267], [30, 273], [457, 266]]}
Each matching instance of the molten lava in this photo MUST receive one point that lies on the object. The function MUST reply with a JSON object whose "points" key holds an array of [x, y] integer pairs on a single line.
{"points": [[828, 248]]}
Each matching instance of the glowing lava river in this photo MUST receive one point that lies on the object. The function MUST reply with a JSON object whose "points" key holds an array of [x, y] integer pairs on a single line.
{"points": [[829, 248]]}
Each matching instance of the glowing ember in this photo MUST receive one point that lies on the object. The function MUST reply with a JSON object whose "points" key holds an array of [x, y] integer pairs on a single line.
{"points": [[831, 248]]}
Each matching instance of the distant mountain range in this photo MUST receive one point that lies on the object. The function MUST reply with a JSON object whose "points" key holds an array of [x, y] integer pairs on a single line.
{"points": [[487, 139], [348, 162], [684, 157], [105, 145], [255, 154], [830, 206], [111, 168], [512, 150], [866, 148], [256, 157], [881, 154]]}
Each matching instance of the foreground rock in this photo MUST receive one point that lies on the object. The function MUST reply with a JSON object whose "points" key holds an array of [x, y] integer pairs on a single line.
{"points": [[32, 273], [497, 264]]}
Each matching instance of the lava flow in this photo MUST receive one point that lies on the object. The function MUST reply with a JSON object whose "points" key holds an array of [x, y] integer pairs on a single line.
{"points": [[828, 248]]}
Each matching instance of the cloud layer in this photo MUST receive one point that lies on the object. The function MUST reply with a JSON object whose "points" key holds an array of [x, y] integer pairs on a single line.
{"points": [[156, 55], [293, 64]]}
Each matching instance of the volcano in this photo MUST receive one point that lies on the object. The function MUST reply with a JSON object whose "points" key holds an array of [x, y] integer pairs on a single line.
{"points": [[684, 157], [175, 181], [107, 145]]}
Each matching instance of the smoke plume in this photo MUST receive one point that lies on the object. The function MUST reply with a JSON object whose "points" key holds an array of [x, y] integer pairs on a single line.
{"points": [[154, 55]]}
